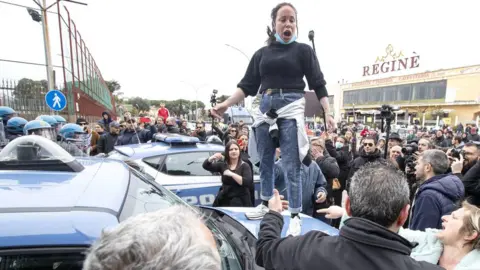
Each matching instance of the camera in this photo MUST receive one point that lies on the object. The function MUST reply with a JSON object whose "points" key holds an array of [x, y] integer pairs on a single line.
{"points": [[386, 111], [213, 98], [213, 103], [409, 149], [455, 153]]}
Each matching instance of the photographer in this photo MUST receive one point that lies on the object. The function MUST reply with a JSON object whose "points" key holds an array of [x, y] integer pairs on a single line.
{"points": [[200, 132], [368, 154]]}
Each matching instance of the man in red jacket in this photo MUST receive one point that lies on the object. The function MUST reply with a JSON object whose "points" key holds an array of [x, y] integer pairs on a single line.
{"points": [[163, 112]]}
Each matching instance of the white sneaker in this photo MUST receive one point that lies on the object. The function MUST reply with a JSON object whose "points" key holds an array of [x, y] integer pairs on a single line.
{"points": [[295, 227], [258, 212]]}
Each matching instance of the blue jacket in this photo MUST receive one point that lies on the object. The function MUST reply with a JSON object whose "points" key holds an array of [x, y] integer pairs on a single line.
{"points": [[313, 182], [435, 198], [128, 137]]}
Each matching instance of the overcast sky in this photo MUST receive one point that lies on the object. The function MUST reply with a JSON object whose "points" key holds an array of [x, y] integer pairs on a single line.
{"points": [[151, 46]]}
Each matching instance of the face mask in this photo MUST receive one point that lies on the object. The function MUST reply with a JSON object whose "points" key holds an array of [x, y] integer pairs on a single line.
{"points": [[279, 39], [338, 145]]}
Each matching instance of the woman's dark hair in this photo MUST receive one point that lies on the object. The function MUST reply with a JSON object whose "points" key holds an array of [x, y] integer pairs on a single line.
{"points": [[273, 15], [227, 152]]}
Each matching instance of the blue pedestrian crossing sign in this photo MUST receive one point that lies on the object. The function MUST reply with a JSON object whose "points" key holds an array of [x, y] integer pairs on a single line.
{"points": [[56, 100]]}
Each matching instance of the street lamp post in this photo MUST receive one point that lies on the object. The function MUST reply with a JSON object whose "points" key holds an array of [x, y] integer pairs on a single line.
{"points": [[196, 96], [46, 35]]}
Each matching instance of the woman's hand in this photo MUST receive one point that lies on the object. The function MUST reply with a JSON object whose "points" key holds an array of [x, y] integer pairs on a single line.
{"points": [[219, 110], [228, 173], [331, 122], [216, 157]]}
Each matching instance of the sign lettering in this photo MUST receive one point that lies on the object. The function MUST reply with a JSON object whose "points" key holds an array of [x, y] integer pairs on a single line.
{"points": [[397, 62]]}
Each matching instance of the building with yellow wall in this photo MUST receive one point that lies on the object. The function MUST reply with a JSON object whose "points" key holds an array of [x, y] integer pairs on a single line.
{"points": [[449, 95]]}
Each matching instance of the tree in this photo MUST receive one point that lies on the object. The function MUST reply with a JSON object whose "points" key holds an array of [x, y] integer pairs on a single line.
{"points": [[143, 104], [222, 98], [30, 89], [113, 86]]}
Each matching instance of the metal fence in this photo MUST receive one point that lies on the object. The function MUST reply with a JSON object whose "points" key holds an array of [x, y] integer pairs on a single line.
{"points": [[26, 97]]}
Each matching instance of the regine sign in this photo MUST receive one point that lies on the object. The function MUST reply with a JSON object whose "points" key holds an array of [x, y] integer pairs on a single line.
{"points": [[391, 62]]}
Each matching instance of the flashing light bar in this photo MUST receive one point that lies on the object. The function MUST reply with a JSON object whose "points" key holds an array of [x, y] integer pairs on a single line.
{"points": [[176, 139]]}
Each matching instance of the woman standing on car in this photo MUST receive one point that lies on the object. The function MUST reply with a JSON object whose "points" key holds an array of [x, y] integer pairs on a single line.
{"points": [[237, 178], [278, 70]]}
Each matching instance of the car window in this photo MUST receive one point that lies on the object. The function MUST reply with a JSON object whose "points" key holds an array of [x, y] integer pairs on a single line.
{"points": [[186, 164], [154, 162], [144, 197], [71, 261]]}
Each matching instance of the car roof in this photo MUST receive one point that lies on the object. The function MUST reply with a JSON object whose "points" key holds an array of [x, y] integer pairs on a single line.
{"points": [[137, 151], [59, 207], [308, 223]]}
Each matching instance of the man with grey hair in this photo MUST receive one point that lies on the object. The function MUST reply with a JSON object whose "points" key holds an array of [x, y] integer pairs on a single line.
{"points": [[174, 238], [378, 206], [437, 192], [172, 126]]}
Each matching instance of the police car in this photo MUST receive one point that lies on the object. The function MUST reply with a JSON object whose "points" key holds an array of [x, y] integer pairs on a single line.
{"points": [[175, 161], [53, 206]]}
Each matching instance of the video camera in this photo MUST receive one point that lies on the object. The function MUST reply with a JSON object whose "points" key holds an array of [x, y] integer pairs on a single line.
{"points": [[386, 114], [410, 160], [213, 103], [409, 149], [455, 153], [386, 111]]}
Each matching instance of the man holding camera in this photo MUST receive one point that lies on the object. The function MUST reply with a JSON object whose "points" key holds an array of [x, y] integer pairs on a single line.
{"points": [[437, 193], [466, 165]]}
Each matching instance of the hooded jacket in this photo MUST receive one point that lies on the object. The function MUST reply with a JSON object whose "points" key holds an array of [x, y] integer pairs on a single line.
{"points": [[106, 122], [436, 197]]}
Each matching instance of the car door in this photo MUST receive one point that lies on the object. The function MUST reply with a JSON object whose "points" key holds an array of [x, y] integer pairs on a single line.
{"points": [[183, 174]]}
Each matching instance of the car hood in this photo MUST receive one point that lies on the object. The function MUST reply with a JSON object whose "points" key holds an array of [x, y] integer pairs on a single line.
{"points": [[308, 223]]}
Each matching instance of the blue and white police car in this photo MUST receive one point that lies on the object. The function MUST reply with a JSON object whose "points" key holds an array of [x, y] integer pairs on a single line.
{"points": [[175, 161], [53, 206]]}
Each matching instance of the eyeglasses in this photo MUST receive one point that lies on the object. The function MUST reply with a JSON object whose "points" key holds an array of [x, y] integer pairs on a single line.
{"points": [[233, 130], [368, 144]]}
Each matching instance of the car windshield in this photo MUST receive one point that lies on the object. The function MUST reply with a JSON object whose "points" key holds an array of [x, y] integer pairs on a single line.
{"points": [[40, 260], [229, 259]]}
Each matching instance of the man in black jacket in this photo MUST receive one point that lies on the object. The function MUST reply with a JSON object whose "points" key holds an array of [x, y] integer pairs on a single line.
{"points": [[368, 153], [378, 204]]}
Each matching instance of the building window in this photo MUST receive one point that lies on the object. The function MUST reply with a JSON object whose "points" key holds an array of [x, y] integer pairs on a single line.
{"points": [[404, 92]]}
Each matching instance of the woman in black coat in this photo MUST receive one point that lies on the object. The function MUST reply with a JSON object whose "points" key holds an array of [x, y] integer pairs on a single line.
{"points": [[237, 178]]}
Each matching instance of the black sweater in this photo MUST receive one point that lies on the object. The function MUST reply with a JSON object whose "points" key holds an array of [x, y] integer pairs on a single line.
{"points": [[281, 66]]}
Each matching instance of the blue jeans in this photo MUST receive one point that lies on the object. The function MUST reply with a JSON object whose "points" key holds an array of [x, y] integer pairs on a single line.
{"points": [[289, 147]]}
